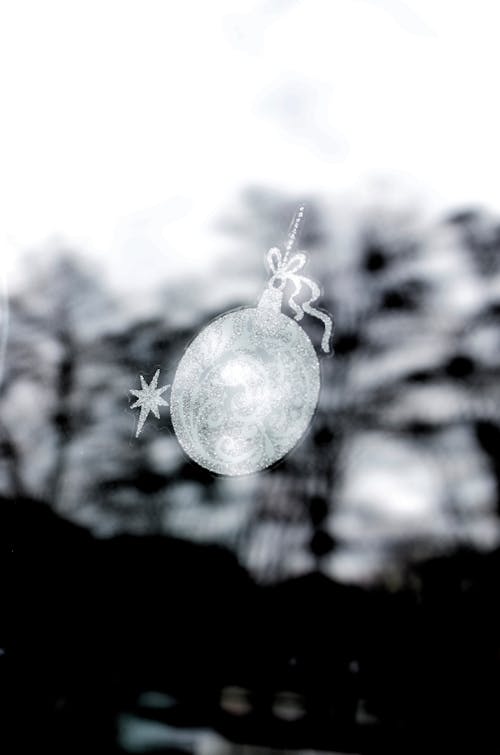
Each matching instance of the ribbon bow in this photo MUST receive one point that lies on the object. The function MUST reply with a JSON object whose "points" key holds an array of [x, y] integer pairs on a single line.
{"points": [[284, 270]]}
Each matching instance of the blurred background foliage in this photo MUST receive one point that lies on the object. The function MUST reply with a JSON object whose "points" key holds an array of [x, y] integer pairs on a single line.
{"points": [[400, 461], [343, 600]]}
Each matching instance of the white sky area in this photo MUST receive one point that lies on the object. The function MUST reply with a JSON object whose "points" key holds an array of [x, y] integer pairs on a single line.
{"points": [[129, 128]]}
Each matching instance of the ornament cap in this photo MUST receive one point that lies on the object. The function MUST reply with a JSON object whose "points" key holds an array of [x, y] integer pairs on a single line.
{"points": [[272, 298]]}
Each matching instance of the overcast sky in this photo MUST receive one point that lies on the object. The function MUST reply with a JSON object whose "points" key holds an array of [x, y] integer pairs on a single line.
{"points": [[128, 128]]}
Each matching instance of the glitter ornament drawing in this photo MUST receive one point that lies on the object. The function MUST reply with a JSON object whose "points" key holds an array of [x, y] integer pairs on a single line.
{"points": [[247, 387]]}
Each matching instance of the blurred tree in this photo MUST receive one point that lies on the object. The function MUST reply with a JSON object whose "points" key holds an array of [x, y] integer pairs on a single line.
{"points": [[401, 429], [402, 354]]}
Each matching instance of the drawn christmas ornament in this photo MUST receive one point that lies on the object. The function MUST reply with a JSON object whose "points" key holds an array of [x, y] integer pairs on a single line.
{"points": [[247, 387]]}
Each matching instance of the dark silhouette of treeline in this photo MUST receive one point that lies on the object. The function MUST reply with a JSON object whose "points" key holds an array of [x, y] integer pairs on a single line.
{"points": [[88, 625]]}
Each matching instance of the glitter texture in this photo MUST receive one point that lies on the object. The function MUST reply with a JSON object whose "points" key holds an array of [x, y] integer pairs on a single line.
{"points": [[245, 390], [149, 398]]}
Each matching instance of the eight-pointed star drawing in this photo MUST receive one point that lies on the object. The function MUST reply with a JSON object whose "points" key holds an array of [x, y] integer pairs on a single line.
{"points": [[149, 399]]}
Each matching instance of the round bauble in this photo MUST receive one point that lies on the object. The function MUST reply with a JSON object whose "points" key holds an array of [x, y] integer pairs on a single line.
{"points": [[245, 391]]}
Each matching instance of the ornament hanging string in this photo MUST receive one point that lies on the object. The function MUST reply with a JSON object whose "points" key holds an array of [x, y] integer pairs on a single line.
{"points": [[294, 229]]}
